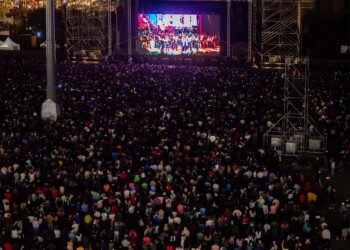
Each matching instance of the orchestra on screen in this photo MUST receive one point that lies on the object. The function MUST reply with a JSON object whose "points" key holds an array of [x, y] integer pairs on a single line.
{"points": [[175, 35]]}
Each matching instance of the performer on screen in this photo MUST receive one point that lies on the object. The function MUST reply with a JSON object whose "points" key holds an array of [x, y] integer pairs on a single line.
{"points": [[175, 41], [201, 41], [197, 43], [184, 43], [166, 43], [189, 42], [152, 44]]}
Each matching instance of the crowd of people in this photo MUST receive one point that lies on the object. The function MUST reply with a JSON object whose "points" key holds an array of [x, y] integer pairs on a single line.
{"points": [[161, 157]]}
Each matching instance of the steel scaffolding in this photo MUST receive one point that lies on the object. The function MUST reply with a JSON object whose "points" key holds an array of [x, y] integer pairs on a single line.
{"points": [[109, 33], [129, 6], [295, 133], [250, 29], [228, 28], [281, 28], [88, 27]]}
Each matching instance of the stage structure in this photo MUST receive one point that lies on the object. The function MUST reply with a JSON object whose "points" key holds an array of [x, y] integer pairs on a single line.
{"points": [[274, 27], [129, 26], [295, 133], [228, 27], [282, 28], [89, 27]]}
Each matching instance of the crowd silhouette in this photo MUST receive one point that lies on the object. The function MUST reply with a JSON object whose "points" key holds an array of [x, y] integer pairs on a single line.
{"points": [[160, 157]]}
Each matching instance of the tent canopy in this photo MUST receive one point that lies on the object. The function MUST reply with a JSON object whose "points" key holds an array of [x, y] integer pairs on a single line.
{"points": [[9, 45]]}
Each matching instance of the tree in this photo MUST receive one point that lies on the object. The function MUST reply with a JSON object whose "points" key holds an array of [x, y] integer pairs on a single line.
{"points": [[36, 17], [14, 13], [37, 20], [4, 6]]}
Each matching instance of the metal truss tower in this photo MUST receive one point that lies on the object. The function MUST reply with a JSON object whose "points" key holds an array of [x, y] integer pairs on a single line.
{"points": [[228, 27], [88, 27], [129, 6], [282, 27], [295, 133]]}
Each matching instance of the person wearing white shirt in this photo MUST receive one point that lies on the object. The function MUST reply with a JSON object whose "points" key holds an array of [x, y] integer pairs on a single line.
{"points": [[125, 243], [326, 236], [75, 227], [57, 233]]}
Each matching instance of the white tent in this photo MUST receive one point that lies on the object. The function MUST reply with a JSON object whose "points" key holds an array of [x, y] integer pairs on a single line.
{"points": [[9, 45]]}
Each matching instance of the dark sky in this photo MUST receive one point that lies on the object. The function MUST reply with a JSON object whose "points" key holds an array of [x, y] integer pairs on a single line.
{"points": [[327, 26]]}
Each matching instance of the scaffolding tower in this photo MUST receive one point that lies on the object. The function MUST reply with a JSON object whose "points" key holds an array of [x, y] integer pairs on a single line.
{"points": [[88, 28], [282, 28], [295, 133]]}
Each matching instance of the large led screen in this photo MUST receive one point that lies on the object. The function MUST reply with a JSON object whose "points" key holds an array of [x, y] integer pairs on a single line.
{"points": [[178, 34]]}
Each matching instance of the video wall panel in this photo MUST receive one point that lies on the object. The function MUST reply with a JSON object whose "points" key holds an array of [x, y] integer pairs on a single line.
{"points": [[182, 28]]}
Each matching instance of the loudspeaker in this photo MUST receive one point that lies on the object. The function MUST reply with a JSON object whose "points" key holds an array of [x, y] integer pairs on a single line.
{"points": [[165, 60], [291, 147], [187, 61], [315, 144], [298, 138], [276, 142]]}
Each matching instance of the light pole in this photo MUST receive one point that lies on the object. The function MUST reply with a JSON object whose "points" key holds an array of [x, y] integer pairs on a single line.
{"points": [[50, 108]]}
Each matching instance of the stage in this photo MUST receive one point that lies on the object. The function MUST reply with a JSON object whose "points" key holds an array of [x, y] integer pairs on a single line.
{"points": [[186, 33], [181, 60]]}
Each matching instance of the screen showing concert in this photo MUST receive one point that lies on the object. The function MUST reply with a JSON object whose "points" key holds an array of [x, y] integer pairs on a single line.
{"points": [[178, 34]]}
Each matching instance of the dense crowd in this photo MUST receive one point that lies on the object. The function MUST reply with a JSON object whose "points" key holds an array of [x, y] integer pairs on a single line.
{"points": [[161, 157]]}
